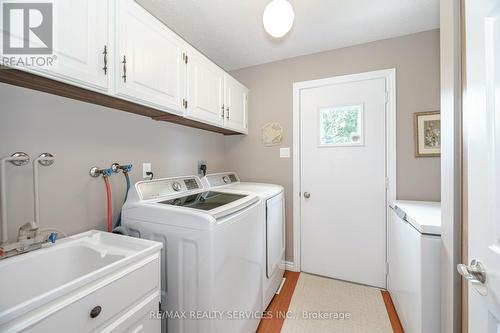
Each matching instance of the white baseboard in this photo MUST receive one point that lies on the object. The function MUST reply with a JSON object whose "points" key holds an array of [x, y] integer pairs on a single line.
{"points": [[290, 266]]}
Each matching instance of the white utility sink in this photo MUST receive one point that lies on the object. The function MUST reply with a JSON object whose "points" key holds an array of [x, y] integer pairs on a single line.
{"points": [[30, 280]]}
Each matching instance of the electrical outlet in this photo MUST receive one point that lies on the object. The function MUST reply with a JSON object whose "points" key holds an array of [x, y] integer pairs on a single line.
{"points": [[146, 167], [200, 163]]}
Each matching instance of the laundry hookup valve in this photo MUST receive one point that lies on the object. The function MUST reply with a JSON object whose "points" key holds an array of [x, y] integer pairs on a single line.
{"points": [[118, 167], [96, 172]]}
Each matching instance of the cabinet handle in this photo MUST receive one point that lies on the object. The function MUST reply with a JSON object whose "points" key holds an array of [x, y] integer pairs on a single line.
{"points": [[222, 111], [227, 112], [105, 54], [124, 62], [96, 311]]}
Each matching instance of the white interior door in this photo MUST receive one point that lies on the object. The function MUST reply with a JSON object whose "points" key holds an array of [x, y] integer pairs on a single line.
{"points": [[482, 128], [343, 181]]}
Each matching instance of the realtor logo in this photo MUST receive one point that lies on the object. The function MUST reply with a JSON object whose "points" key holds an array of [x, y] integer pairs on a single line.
{"points": [[27, 28]]}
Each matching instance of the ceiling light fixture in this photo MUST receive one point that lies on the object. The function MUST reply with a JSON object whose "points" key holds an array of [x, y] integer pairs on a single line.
{"points": [[278, 18]]}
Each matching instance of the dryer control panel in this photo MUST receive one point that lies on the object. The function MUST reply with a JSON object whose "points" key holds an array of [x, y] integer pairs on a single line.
{"points": [[159, 188], [220, 179]]}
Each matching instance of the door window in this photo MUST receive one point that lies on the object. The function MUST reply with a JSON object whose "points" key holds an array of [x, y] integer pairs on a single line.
{"points": [[341, 126]]}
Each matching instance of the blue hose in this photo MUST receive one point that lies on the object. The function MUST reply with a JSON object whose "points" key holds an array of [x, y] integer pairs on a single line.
{"points": [[127, 179]]}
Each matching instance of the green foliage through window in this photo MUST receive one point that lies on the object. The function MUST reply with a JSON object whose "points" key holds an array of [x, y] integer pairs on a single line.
{"points": [[341, 125]]}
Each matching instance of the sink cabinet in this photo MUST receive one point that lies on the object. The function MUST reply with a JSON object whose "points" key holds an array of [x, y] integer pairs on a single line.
{"points": [[121, 295]]}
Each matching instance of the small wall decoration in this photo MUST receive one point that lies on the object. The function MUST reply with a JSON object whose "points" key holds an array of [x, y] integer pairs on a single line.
{"points": [[272, 134], [427, 128]]}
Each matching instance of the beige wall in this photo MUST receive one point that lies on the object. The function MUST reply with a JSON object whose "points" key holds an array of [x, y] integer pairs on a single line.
{"points": [[82, 135], [416, 59]]}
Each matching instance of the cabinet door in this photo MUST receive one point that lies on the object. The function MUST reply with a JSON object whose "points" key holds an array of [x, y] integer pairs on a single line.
{"points": [[80, 35], [81, 41], [149, 59], [205, 90], [236, 101]]}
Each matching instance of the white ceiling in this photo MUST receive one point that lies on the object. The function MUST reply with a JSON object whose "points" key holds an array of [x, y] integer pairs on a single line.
{"points": [[230, 32]]}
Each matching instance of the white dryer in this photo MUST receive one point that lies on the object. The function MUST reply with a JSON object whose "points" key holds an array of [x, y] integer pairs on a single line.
{"points": [[273, 217], [212, 254]]}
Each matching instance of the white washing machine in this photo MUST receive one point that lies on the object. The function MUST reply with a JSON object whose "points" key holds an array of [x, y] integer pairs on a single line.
{"points": [[273, 217], [212, 255]]}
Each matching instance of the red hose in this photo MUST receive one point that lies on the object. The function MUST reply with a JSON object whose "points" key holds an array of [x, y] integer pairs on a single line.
{"points": [[110, 212]]}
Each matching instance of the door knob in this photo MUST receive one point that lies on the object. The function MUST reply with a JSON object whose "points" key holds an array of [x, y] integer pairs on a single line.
{"points": [[475, 273], [307, 195]]}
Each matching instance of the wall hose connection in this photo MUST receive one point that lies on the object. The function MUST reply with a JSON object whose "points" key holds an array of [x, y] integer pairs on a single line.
{"points": [[105, 173], [125, 169], [110, 209]]}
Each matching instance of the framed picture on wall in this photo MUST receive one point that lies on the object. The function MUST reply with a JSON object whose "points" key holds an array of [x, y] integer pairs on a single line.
{"points": [[427, 129]]}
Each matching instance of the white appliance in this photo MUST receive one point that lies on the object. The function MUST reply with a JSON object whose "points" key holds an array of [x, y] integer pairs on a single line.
{"points": [[213, 249], [414, 251], [273, 217]]}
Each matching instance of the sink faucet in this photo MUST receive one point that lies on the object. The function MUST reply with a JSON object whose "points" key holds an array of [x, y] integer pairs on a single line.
{"points": [[17, 159], [29, 235], [29, 238]]}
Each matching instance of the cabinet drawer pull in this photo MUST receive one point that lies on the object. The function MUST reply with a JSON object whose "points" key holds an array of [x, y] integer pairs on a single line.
{"points": [[222, 111], [227, 112], [95, 311], [124, 62], [105, 54]]}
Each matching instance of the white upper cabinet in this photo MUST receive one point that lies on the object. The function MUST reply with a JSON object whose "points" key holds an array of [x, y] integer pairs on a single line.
{"points": [[117, 48], [149, 59], [205, 89], [236, 105], [80, 43]]}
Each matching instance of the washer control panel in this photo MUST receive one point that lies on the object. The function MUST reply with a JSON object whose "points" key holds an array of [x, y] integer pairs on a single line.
{"points": [[176, 186], [220, 179], [159, 188]]}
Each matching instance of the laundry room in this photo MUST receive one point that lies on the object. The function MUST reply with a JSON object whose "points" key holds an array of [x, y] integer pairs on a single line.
{"points": [[294, 166]]}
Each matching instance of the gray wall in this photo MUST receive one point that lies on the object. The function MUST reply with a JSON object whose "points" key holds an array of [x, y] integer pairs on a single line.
{"points": [[416, 59], [82, 135]]}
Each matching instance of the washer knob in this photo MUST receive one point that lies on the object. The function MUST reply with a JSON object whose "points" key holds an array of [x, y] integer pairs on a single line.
{"points": [[226, 179], [176, 186]]}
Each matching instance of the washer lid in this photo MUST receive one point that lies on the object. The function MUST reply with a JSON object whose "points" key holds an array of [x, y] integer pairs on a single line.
{"points": [[216, 204], [204, 201]]}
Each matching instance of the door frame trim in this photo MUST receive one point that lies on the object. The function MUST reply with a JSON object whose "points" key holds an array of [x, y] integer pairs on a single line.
{"points": [[390, 76]]}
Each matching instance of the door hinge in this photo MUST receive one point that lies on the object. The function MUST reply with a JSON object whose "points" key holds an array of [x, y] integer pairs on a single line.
{"points": [[386, 268], [184, 103], [387, 182], [184, 57], [387, 97]]}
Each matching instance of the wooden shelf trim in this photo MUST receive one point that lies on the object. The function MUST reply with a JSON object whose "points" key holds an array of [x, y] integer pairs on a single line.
{"points": [[31, 81]]}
